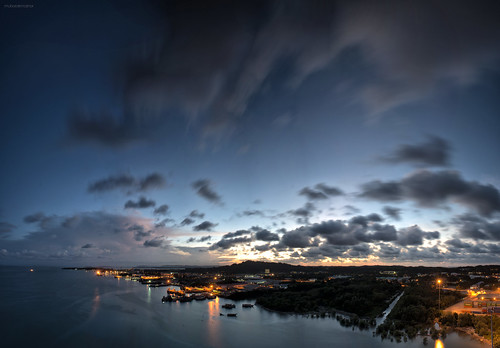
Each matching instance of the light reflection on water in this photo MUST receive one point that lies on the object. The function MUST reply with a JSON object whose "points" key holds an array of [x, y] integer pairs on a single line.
{"points": [[213, 324], [439, 344], [95, 303], [78, 309]]}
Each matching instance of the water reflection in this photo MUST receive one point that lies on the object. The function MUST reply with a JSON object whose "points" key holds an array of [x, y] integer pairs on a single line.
{"points": [[213, 323], [439, 344], [95, 302], [148, 298]]}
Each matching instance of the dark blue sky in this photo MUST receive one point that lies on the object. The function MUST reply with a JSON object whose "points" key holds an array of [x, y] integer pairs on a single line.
{"points": [[208, 132]]}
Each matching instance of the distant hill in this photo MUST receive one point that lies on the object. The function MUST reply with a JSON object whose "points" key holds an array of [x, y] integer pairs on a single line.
{"points": [[250, 267]]}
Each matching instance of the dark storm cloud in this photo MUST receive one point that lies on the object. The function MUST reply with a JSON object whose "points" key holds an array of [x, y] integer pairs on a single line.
{"points": [[364, 220], [430, 189], [128, 183], [266, 236], [433, 152], [142, 203], [161, 210], [204, 226], [204, 189], [229, 243], [88, 246], [476, 227], [187, 221], [414, 236], [6, 227], [458, 244], [312, 194], [320, 191], [297, 238], [243, 44], [196, 214], [448, 43], [235, 234], [393, 212], [154, 243]]}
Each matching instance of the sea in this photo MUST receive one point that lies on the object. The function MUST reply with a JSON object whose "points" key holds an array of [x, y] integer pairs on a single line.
{"points": [[52, 307]]}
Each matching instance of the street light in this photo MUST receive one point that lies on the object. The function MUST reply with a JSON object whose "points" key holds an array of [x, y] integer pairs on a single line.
{"points": [[439, 293]]}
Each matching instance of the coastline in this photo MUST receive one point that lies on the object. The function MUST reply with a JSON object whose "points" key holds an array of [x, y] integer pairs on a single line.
{"points": [[469, 331]]}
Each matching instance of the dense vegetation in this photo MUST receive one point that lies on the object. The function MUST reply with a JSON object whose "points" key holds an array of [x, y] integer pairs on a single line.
{"points": [[416, 312], [480, 323], [365, 297]]}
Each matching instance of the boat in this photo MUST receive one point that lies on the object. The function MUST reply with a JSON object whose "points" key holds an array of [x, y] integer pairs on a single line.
{"points": [[232, 314], [185, 299], [199, 297], [247, 305], [210, 296], [221, 314], [228, 306], [169, 298]]}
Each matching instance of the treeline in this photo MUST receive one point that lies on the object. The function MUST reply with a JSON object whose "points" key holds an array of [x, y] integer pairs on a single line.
{"points": [[416, 312], [365, 297], [480, 323]]}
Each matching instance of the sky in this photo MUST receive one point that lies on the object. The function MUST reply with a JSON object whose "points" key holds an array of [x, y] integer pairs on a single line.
{"points": [[212, 132]]}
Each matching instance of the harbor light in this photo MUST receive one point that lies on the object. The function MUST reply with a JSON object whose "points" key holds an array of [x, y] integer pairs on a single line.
{"points": [[439, 344]]}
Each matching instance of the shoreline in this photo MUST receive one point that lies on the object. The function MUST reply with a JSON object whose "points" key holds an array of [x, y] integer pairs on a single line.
{"points": [[469, 331]]}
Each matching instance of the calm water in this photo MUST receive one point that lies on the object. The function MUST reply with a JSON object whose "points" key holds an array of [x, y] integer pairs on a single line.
{"points": [[63, 308]]}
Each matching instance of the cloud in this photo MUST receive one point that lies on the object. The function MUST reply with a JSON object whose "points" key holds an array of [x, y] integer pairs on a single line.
{"points": [[450, 44], [139, 232], [351, 210], [235, 234], [476, 227], [37, 217], [414, 236], [205, 190], [187, 221], [266, 236], [243, 45], [113, 238], [161, 210], [393, 212], [433, 152], [303, 213], [155, 243], [142, 203], [430, 189], [251, 213], [229, 243], [320, 191], [6, 228], [204, 226], [196, 214], [102, 129], [201, 239], [127, 182]]}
